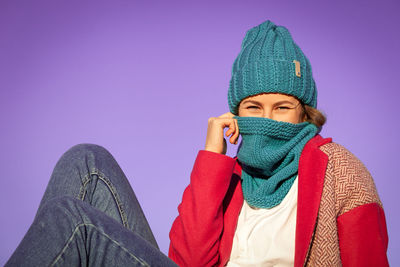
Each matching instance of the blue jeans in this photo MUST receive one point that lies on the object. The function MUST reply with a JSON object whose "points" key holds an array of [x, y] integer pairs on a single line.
{"points": [[89, 216]]}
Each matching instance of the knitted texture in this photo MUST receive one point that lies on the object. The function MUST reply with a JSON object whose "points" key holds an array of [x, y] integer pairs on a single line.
{"points": [[269, 154], [266, 64]]}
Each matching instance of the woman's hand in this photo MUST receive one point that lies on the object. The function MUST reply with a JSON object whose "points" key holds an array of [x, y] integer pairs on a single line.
{"points": [[215, 141]]}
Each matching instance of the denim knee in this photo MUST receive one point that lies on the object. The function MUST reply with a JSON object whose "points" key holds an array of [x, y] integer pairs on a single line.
{"points": [[81, 161], [85, 148], [74, 169], [90, 173], [84, 151]]}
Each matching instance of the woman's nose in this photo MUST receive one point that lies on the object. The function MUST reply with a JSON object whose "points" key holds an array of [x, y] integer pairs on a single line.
{"points": [[267, 114]]}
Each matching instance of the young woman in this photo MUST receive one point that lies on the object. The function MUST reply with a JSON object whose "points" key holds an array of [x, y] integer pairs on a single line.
{"points": [[289, 198]]}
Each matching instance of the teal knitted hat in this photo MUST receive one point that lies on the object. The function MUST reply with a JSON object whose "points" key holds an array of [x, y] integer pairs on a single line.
{"points": [[270, 62]]}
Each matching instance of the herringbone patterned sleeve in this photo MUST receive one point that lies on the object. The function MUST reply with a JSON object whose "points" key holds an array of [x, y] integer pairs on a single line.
{"points": [[347, 185]]}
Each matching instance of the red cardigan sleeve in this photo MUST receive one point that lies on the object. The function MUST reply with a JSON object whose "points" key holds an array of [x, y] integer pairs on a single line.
{"points": [[196, 232], [363, 238]]}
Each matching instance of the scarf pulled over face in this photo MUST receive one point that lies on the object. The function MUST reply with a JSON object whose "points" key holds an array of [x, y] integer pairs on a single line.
{"points": [[269, 153]]}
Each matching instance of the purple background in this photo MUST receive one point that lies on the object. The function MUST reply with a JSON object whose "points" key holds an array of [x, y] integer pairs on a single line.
{"points": [[141, 78]]}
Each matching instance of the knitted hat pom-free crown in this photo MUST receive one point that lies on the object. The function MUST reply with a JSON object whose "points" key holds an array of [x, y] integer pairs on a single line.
{"points": [[270, 62]]}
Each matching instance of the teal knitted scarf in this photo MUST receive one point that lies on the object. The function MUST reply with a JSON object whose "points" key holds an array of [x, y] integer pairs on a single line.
{"points": [[269, 153]]}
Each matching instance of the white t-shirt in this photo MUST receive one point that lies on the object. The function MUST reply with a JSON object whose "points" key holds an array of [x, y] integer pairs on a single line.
{"points": [[266, 237]]}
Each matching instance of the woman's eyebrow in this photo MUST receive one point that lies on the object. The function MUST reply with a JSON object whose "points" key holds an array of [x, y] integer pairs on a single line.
{"points": [[284, 102], [275, 104], [251, 101]]}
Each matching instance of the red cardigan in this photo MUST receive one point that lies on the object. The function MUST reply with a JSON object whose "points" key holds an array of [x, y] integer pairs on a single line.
{"points": [[203, 232]]}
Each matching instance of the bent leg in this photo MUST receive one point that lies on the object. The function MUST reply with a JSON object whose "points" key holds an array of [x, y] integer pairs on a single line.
{"points": [[90, 173], [70, 232]]}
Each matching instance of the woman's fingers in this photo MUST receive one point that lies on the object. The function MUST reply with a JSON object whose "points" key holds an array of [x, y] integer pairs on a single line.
{"points": [[233, 128], [234, 131], [237, 132], [215, 140], [227, 115]]}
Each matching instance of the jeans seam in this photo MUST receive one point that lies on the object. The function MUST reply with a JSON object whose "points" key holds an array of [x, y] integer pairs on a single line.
{"points": [[111, 188], [141, 261]]}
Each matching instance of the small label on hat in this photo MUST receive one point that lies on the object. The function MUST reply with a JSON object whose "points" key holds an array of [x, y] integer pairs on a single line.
{"points": [[297, 68]]}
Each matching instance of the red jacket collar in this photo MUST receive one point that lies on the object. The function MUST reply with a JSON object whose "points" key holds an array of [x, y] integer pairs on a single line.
{"points": [[312, 167]]}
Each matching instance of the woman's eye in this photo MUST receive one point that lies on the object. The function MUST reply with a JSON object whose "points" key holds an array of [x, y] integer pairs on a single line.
{"points": [[283, 107], [252, 107]]}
